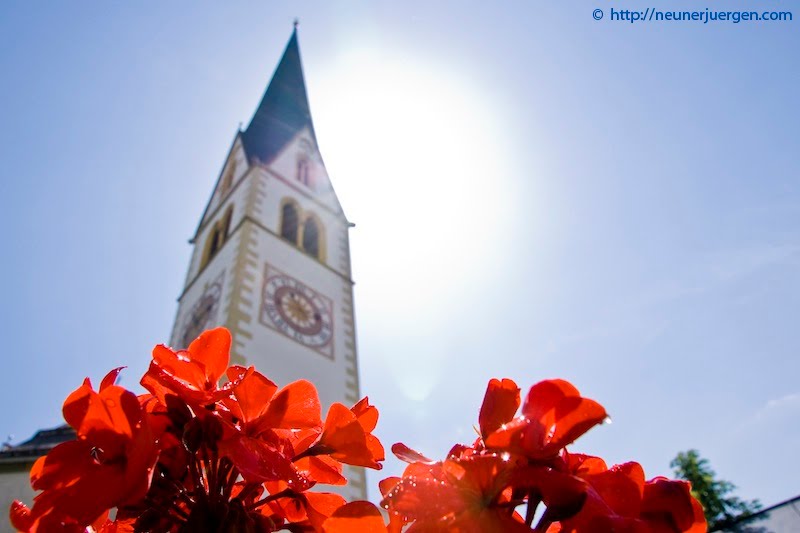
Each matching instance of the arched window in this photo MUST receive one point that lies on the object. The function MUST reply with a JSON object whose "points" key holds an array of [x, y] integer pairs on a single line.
{"points": [[226, 223], [289, 222], [311, 237], [216, 241], [217, 237], [304, 171]]}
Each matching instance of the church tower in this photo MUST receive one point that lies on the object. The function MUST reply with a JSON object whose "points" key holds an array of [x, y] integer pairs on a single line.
{"points": [[271, 258]]}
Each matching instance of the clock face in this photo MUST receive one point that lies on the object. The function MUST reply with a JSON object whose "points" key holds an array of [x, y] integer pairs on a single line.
{"points": [[297, 311], [202, 313]]}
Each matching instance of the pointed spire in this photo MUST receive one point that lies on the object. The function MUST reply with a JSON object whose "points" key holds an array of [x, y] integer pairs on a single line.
{"points": [[283, 110]]}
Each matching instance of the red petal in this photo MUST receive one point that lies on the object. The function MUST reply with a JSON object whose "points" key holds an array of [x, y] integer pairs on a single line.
{"points": [[259, 461], [111, 419], [101, 522], [110, 378], [321, 469], [296, 406], [106, 418], [426, 497], [545, 396], [621, 487], [406, 454], [554, 415], [574, 417], [157, 379], [346, 439], [508, 436], [669, 501], [77, 404], [154, 387], [62, 466], [500, 404], [292, 509], [699, 525], [180, 364], [37, 468], [386, 485], [253, 393], [489, 520], [311, 508], [356, 516], [367, 414], [84, 501], [212, 348], [375, 447], [583, 465], [119, 525], [321, 505], [20, 516], [563, 494], [481, 478]]}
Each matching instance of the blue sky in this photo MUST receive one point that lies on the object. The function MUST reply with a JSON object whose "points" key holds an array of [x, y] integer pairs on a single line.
{"points": [[537, 194]]}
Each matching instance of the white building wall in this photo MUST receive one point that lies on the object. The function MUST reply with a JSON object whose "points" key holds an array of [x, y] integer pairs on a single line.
{"points": [[14, 485]]}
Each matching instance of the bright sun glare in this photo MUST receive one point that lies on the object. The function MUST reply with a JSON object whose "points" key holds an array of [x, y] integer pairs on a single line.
{"points": [[417, 161]]}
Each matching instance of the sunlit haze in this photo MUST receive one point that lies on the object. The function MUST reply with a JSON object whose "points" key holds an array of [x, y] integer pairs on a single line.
{"points": [[535, 194], [433, 181]]}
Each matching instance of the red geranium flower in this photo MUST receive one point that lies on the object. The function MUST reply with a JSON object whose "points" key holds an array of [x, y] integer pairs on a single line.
{"points": [[193, 374], [264, 424], [500, 404], [109, 464], [668, 503], [553, 416], [464, 495], [619, 500], [307, 511], [347, 436], [197, 456]]}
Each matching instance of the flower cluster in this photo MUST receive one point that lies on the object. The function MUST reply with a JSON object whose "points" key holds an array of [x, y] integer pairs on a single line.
{"points": [[520, 462], [218, 448], [195, 455]]}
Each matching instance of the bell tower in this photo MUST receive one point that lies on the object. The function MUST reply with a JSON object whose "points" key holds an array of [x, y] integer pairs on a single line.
{"points": [[271, 257]]}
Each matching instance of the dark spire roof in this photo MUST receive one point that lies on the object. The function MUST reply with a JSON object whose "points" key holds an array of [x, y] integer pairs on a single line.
{"points": [[283, 111]]}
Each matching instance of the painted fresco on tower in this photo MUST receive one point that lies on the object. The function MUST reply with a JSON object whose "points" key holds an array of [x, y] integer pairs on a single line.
{"points": [[298, 311]]}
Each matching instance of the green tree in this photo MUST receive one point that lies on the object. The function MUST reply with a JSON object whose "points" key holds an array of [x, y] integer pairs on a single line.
{"points": [[720, 506]]}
